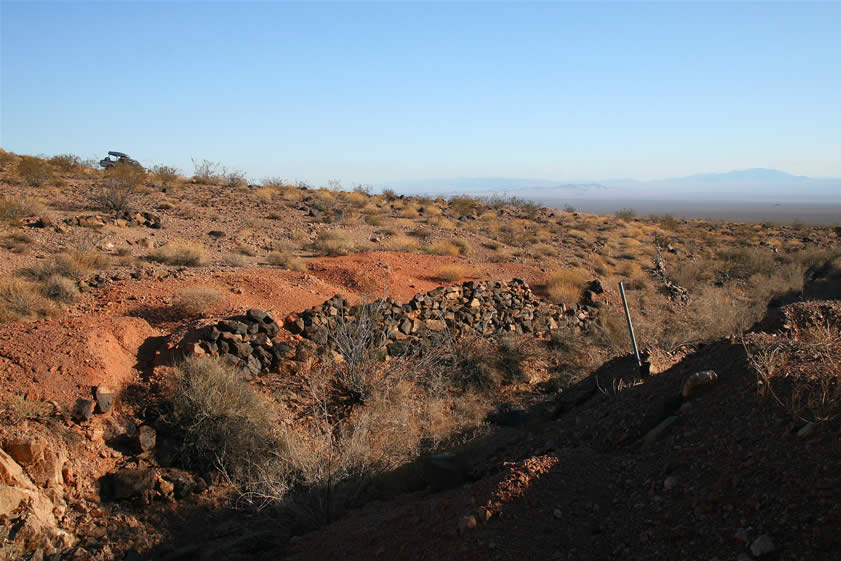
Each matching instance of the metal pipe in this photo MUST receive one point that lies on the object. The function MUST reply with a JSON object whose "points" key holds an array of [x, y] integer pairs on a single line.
{"points": [[630, 325]]}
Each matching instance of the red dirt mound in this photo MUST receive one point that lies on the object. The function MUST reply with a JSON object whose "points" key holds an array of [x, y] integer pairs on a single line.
{"points": [[61, 360]]}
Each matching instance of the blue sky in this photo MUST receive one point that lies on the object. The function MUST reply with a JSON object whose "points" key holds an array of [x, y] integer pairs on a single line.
{"points": [[375, 92]]}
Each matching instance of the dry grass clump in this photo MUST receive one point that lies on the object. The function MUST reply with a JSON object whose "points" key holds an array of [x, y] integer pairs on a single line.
{"points": [[356, 199], [500, 255], [20, 301], [225, 423], [181, 253], [197, 300], [34, 171], [465, 206], [235, 260], [441, 222], [401, 242], [444, 247], [13, 209], [625, 214], [452, 273], [73, 265], [801, 372], [287, 261], [6, 159], [566, 286], [334, 242], [544, 250], [16, 242], [60, 289]]}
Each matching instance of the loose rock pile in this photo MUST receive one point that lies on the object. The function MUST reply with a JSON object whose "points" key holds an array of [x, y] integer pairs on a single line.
{"points": [[246, 342], [483, 308], [123, 219], [480, 308]]}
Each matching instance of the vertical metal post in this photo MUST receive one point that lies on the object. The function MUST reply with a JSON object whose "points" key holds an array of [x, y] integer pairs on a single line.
{"points": [[630, 325]]}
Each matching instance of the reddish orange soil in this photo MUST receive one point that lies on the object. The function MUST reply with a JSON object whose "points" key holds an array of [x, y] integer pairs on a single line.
{"points": [[98, 342]]}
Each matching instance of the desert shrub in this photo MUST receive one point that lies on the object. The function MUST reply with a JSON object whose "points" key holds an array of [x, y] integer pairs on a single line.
{"points": [[118, 187], [544, 250], [287, 261], [6, 159], [34, 171], [233, 178], [452, 273], [400, 243], [802, 373], [441, 222], [743, 263], [167, 175], [66, 163], [360, 341], [225, 423], [500, 255], [60, 289], [465, 206], [374, 220], [334, 242], [235, 260], [444, 247], [13, 209], [625, 214], [389, 194], [21, 301], [197, 300], [72, 265], [16, 242], [273, 183], [206, 172], [565, 286], [181, 253]]}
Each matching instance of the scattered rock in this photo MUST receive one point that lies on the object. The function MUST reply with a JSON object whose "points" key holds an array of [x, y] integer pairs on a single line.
{"points": [[444, 471], [104, 398], [698, 383], [127, 484], [763, 545], [468, 522], [82, 410], [807, 431], [657, 432], [146, 438]]}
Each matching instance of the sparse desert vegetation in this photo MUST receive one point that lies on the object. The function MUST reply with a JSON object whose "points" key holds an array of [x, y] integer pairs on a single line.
{"points": [[333, 424]]}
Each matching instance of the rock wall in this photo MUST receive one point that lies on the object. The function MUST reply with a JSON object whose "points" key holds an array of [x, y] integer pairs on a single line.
{"points": [[483, 308]]}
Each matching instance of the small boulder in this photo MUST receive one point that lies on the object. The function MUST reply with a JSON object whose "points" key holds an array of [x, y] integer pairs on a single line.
{"points": [[146, 438], [596, 286], [82, 410], [443, 471], [104, 398], [698, 383], [763, 545], [128, 483]]}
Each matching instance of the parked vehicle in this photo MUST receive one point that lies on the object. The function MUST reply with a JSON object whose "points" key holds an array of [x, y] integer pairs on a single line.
{"points": [[115, 158]]}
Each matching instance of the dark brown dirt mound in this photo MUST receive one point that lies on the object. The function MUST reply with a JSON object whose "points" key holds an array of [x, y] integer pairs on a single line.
{"points": [[727, 470]]}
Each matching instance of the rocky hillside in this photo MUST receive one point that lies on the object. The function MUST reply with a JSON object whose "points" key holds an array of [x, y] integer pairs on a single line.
{"points": [[202, 369]]}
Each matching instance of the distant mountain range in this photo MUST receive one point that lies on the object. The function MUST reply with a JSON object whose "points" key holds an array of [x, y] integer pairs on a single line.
{"points": [[756, 185]]}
